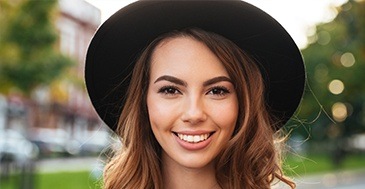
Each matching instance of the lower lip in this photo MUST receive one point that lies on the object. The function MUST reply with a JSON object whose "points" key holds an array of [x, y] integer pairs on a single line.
{"points": [[193, 146]]}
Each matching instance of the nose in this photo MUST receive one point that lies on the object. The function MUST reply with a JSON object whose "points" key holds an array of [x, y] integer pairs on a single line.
{"points": [[194, 111]]}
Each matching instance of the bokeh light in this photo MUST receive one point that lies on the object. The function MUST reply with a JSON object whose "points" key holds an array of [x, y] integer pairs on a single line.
{"points": [[321, 73], [323, 37], [339, 111], [347, 59], [336, 87]]}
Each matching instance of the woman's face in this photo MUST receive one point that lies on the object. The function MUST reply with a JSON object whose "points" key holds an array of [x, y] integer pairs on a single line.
{"points": [[192, 103]]}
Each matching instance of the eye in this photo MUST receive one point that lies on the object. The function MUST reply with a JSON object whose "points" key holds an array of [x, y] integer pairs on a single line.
{"points": [[169, 90], [218, 91]]}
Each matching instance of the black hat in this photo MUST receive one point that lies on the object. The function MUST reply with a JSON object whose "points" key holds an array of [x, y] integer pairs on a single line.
{"points": [[114, 48]]}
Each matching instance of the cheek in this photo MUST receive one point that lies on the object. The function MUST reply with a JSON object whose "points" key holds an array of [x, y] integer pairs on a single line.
{"points": [[160, 113], [226, 115]]}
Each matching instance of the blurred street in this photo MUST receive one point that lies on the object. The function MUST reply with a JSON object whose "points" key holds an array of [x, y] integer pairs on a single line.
{"points": [[69, 165]]}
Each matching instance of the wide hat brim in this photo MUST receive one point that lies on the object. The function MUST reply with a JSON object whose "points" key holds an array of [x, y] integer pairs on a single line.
{"points": [[120, 39]]}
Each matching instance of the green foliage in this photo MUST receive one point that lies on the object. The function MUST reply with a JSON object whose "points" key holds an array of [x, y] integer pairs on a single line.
{"points": [[58, 180], [337, 53], [313, 164], [27, 46], [27, 74], [33, 28]]}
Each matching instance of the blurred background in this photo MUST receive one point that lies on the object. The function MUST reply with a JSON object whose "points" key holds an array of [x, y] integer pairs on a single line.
{"points": [[50, 136]]}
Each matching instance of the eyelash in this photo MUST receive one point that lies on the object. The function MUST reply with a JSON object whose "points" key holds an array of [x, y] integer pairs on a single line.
{"points": [[173, 90]]}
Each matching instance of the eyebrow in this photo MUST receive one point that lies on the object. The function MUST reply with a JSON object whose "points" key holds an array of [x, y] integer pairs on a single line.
{"points": [[183, 83], [171, 79], [216, 80]]}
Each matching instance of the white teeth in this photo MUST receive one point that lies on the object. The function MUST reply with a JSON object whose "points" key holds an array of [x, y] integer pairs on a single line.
{"points": [[193, 138]]}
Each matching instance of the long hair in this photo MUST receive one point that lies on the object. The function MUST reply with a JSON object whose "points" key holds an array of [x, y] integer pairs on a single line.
{"points": [[250, 160]]}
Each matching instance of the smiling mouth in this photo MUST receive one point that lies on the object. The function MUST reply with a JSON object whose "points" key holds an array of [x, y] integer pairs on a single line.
{"points": [[193, 138]]}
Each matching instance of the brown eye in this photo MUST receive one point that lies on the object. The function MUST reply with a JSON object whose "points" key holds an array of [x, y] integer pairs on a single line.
{"points": [[169, 90], [218, 91]]}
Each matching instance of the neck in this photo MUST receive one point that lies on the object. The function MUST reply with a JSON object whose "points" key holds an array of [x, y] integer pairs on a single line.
{"points": [[179, 177]]}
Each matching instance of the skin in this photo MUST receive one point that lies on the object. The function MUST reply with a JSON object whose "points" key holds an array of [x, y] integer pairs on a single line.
{"points": [[190, 93]]}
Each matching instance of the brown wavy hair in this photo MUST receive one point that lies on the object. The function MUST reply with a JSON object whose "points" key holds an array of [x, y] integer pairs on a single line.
{"points": [[251, 159]]}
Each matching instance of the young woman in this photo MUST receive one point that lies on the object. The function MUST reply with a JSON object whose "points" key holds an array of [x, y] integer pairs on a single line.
{"points": [[200, 110]]}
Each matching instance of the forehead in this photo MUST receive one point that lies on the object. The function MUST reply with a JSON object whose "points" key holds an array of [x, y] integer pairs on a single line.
{"points": [[185, 56]]}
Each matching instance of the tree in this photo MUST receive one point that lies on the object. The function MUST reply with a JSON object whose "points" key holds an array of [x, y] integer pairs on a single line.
{"points": [[335, 63], [29, 57]]}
